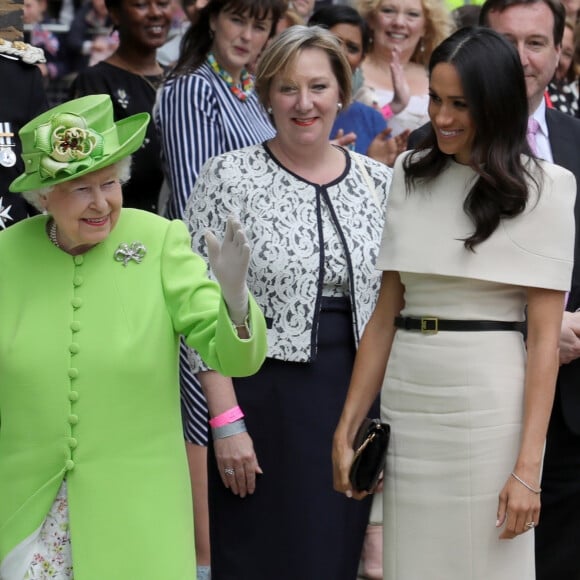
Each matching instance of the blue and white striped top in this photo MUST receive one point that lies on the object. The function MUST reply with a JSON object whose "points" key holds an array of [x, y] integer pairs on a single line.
{"points": [[198, 117]]}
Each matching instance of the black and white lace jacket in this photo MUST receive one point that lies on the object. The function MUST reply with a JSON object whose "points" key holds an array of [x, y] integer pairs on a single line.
{"points": [[287, 221]]}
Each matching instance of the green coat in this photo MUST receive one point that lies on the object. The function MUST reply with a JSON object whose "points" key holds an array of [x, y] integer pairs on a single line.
{"points": [[89, 391]]}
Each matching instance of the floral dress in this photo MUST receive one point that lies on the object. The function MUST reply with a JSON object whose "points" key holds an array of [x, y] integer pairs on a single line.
{"points": [[46, 553]]}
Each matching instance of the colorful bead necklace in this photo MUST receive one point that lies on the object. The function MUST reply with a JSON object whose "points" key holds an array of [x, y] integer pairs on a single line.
{"points": [[241, 92]]}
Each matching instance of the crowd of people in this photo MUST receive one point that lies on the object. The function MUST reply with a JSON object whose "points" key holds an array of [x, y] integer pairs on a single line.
{"points": [[291, 217]]}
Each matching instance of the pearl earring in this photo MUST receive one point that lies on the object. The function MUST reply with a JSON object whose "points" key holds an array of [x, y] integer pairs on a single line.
{"points": [[269, 110], [339, 107]]}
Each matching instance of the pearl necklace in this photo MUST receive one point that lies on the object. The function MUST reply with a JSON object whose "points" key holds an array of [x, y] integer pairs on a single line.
{"points": [[52, 234]]}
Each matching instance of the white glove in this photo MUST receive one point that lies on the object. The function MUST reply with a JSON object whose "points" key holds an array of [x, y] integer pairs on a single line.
{"points": [[229, 262]]}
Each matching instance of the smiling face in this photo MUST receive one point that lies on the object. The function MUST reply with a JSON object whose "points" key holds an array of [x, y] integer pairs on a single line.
{"points": [[530, 28], [238, 40], [85, 209], [398, 24], [144, 23], [304, 99], [351, 40], [450, 117]]}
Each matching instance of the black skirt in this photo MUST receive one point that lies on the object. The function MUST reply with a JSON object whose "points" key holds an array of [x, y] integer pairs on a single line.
{"points": [[295, 526]]}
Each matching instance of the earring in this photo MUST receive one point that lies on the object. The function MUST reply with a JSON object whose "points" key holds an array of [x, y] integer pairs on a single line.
{"points": [[421, 45], [269, 110], [339, 107]]}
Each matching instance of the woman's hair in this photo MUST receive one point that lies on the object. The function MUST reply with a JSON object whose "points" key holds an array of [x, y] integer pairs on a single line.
{"points": [[575, 67], [466, 15], [285, 48], [571, 73], [494, 89], [290, 18], [33, 196], [198, 39], [333, 15], [112, 4], [438, 25]]}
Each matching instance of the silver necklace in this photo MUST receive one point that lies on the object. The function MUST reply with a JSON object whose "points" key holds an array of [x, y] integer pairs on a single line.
{"points": [[52, 234]]}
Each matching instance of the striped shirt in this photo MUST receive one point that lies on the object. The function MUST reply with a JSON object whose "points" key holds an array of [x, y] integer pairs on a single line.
{"points": [[198, 117]]}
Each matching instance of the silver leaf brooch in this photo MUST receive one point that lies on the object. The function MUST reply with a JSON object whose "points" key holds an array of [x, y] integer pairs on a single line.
{"points": [[126, 252]]}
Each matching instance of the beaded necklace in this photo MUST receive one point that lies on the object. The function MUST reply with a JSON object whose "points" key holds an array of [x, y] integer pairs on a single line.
{"points": [[241, 92]]}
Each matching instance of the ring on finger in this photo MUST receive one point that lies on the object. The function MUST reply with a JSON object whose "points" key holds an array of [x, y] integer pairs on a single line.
{"points": [[229, 471], [530, 525]]}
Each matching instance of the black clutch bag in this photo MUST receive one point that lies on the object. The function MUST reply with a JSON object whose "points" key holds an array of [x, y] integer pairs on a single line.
{"points": [[370, 452]]}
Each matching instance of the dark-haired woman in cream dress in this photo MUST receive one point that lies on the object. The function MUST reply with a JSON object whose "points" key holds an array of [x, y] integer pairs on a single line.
{"points": [[476, 232]]}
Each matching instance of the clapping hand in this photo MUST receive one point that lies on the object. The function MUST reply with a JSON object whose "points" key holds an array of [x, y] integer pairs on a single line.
{"points": [[385, 148], [229, 262], [343, 140], [401, 90]]}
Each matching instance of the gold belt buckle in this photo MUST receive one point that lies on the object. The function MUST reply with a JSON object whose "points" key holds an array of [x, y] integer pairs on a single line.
{"points": [[429, 325]]}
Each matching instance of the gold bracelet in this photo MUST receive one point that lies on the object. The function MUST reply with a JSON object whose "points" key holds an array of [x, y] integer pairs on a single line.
{"points": [[245, 325], [526, 485]]}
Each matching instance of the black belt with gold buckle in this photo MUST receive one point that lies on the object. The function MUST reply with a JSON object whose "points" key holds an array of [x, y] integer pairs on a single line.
{"points": [[432, 325]]}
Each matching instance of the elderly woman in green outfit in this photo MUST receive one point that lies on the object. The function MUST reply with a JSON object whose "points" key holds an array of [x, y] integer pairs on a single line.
{"points": [[93, 473]]}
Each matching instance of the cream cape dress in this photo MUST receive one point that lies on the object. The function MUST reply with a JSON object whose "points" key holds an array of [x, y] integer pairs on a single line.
{"points": [[455, 399]]}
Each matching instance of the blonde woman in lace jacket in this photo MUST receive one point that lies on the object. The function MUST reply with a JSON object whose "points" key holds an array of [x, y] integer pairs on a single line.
{"points": [[313, 214]]}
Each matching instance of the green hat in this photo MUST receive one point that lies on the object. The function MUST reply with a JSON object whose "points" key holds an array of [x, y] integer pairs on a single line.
{"points": [[76, 138]]}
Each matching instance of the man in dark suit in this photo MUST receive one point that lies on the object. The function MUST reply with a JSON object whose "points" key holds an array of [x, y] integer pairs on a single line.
{"points": [[22, 98], [535, 27]]}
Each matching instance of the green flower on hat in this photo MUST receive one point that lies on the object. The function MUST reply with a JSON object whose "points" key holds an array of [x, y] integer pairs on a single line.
{"points": [[69, 144]]}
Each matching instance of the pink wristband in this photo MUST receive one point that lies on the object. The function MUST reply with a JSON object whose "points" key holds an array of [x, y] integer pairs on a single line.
{"points": [[387, 111], [227, 417]]}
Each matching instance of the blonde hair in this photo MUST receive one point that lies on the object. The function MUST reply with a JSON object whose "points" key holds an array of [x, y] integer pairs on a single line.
{"points": [[291, 18], [284, 49], [439, 25]]}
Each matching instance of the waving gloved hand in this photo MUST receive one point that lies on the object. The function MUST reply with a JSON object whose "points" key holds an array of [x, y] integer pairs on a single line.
{"points": [[229, 262]]}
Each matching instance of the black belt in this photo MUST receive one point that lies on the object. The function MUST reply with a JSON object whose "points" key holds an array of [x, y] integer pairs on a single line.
{"points": [[432, 325]]}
